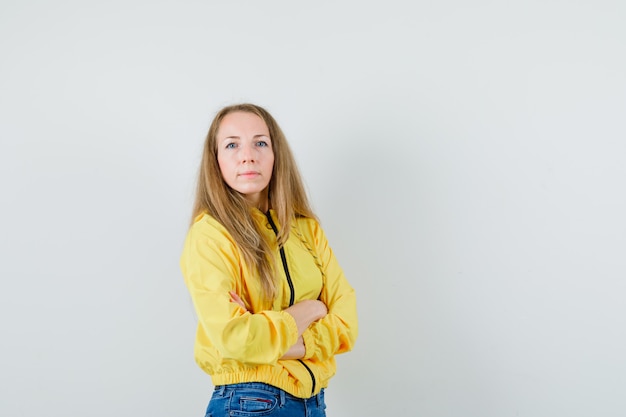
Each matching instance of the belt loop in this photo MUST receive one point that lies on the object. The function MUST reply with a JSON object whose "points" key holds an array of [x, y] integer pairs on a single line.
{"points": [[317, 399], [221, 389], [282, 397]]}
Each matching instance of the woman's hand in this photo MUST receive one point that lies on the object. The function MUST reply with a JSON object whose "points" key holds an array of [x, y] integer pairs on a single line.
{"points": [[237, 300], [306, 312], [297, 351]]}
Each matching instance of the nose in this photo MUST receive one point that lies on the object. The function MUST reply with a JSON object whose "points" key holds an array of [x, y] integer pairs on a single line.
{"points": [[247, 153]]}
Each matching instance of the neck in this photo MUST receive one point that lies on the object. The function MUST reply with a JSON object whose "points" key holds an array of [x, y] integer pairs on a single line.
{"points": [[260, 201]]}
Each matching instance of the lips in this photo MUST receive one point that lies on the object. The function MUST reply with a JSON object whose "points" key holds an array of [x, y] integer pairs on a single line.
{"points": [[250, 174]]}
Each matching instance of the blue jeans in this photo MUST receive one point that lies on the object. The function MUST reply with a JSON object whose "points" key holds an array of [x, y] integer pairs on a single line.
{"points": [[256, 399]]}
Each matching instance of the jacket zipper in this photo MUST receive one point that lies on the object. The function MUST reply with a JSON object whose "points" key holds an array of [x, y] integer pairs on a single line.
{"points": [[292, 290]]}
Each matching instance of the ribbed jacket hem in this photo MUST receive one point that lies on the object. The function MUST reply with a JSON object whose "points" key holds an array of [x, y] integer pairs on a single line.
{"points": [[277, 377]]}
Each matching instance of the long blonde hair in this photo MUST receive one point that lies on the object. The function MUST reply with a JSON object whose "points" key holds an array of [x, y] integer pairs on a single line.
{"points": [[287, 197]]}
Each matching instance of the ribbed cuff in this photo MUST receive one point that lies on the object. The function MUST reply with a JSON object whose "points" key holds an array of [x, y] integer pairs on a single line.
{"points": [[309, 344], [293, 327]]}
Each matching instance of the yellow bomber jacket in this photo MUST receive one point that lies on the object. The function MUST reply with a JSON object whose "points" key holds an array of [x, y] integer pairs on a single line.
{"points": [[233, 345]]}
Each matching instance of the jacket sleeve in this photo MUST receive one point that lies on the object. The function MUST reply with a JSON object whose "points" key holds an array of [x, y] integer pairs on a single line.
{"points": [[211, 268], [337, 332]]}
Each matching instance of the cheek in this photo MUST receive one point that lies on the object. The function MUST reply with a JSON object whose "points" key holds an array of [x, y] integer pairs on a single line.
{"points": [[222, 160], [224, 167]]}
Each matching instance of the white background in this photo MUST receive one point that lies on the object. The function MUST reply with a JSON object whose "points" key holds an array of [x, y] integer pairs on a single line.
{"points": [[466, 160]]}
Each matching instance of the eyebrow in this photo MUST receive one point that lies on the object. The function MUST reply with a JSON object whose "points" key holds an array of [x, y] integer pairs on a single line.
{"points": [[260, 135]]}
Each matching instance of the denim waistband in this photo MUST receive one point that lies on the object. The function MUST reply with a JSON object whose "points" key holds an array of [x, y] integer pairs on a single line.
{"points": [[224, 389]]}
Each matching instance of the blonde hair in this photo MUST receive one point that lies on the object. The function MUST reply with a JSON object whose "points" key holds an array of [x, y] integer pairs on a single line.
{"points": [[287, 197]]}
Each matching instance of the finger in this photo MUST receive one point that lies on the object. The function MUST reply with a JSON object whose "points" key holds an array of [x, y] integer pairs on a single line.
{"points": [[236, 299]]}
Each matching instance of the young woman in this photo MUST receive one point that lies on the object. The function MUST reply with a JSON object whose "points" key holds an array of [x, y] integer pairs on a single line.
{"points": [[273, 305]]}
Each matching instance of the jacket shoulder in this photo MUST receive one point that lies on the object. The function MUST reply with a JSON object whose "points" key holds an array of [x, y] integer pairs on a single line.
{"points": [[207, 226], [310, 229]]}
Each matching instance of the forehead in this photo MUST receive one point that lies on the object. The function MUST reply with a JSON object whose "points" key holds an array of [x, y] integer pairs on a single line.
{"points": [[242, 123]]}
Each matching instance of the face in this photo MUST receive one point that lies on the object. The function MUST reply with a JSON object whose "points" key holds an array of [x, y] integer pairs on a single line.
{"points": [[245, 156]]}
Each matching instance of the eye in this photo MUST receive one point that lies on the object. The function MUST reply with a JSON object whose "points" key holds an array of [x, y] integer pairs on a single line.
{"points": [[262, 143], [231, 145]]}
